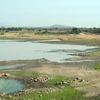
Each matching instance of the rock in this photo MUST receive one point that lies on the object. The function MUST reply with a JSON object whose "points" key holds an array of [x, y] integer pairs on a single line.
{"points": [[3, 94], [75, 79], [9, 96], [35, 80], [23, 68], [60, 83], [78, 78], [40, 95], [5, 75], [31, 78], [41, 79], [64, 82], [57, 83], [82, 80]]}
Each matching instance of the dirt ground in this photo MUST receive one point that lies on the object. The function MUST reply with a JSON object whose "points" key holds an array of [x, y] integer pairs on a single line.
{"points": [[47, 36], [72, 70], [90, 76]]}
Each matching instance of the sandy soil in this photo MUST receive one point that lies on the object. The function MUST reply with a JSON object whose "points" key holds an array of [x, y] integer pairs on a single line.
{"points": [[47, 36]]}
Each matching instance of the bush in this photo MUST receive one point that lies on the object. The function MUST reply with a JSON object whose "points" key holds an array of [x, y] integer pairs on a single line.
{"points": [[96, 66], [2, 33]]}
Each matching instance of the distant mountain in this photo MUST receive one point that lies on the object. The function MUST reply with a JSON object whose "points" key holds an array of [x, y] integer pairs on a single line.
{"points": [[60, 26], [56, 26], [52, 26]]}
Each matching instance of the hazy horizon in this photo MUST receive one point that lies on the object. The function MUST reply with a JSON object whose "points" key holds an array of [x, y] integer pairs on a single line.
{"points": [[37, 13]]}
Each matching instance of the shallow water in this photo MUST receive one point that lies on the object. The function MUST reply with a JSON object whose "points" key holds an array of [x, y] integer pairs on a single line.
{"points": [[11, 66], [14, 50], [10, 85]]}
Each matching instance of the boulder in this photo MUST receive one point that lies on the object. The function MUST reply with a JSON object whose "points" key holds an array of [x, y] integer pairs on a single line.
{"points": [[5, 75]]}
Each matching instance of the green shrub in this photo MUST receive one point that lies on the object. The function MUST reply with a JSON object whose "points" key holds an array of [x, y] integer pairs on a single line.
{"points": [[96, 66]]}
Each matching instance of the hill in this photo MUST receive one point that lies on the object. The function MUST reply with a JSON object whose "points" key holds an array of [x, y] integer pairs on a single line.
{"points": [[60, 26]]}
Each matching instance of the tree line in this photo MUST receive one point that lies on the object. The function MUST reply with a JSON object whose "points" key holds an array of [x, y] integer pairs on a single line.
{"points": [[51, 30], [10, 29]]}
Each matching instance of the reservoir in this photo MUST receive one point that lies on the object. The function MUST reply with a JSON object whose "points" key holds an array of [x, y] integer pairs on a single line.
{"points": [[18, 50]]}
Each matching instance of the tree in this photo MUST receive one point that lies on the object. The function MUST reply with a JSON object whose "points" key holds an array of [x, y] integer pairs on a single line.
{"points": [[75, 31]]}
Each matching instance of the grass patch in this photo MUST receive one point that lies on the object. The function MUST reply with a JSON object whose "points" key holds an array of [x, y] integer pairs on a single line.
{"points": [[51, 92], [96, 66], [54, 79], [67, 93], [24, 73], [93, 53]]}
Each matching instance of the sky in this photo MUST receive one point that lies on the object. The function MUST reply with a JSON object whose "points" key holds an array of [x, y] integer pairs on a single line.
{"points": [[35, 13]]}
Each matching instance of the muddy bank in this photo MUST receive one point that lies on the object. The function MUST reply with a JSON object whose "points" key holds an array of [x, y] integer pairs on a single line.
{"points": [[43, 62], [58, 40], [45, 67]]}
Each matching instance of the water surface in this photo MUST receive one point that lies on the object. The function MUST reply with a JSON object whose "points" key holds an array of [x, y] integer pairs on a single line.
{"points": [[10, 85], [11, 66], [14, 50]]}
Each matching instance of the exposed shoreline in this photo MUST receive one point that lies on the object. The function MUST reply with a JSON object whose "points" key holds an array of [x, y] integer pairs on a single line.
{"points": [[69, 69], [83, 39]]}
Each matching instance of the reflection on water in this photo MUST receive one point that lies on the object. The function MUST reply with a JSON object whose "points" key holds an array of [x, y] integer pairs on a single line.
{"points": [[9, 85], [14, 50]]}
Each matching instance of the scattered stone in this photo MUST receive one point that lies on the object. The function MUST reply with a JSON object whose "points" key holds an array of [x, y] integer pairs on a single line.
{"points": [[35, 80], [5, 75], [40, 79], [79, 79], [57, 83], [3, 94], [9, 96], [40, 95], [62, 82]]}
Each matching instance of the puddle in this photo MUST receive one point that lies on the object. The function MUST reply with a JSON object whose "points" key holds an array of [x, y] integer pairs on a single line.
{"points": [[10, 85]]}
